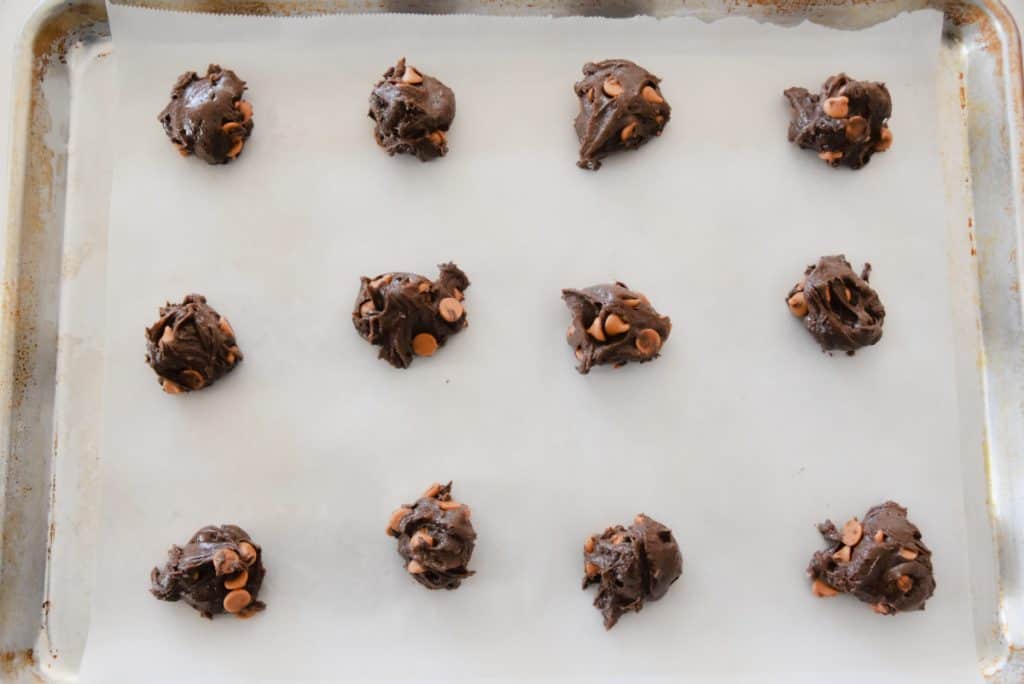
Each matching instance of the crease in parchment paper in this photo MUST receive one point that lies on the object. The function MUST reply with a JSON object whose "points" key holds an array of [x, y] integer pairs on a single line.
{"points": [[740, 437]]}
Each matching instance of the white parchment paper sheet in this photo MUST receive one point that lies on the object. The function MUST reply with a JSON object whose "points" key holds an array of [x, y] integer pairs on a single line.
{"points": [[741, 437]]}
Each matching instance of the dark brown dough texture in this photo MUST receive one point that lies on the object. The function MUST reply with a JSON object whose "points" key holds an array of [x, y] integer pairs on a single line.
{"points": [[207, 116], [845, 124], [880, 560], [621, 108], [219, 570], [612, 324], [435, 537], [630, 565], [191, 346], [839, 308], [408, 314], [412, 112]]}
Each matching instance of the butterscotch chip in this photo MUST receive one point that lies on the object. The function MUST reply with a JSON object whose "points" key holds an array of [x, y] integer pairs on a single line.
{"points": [[238, 581], [421, 539], [798, 304], [424, 344], [613, 325], [247, 552], [396, 519], [908, 554], [905, 583], [651, 95], [819, 588], [611, 87], [852, 532], [648, 342], [192, 379], [226, 561], [236, 600], [450, 308], [842, 555], [245, 108]]}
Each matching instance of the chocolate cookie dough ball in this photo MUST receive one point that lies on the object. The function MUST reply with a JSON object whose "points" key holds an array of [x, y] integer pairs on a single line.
{"points": [[435, 537], [410, 315], [207, 116], [845, 124], [630, 565], [219, 570], [621, 108], [612, 324], [191, 346], [839, 308], [412, 112], [880, 560]]}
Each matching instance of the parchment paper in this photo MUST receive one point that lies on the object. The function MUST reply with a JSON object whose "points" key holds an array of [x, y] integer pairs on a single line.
{"points": [[741, 437]]}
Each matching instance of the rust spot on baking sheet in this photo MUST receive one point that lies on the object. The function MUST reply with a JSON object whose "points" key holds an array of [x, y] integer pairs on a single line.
{"points": [[963, 97], [13, 663], [962, 15]]}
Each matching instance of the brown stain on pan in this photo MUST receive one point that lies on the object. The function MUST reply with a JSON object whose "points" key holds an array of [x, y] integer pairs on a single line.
{"points": [[982, 19], [13, 663]]}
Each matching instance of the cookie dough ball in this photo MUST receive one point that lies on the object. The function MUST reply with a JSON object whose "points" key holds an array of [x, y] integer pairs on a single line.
{"points": [[219, 570], [612, 324], [621, 108], [207, 116], [435, 537], [410, 315], [630, 565], [845, 124], [839, 308], [191, 346], [880, 560], [412, 112]]}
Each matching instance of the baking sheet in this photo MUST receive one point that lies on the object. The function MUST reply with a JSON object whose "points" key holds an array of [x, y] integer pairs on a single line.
{"points": [[740, 437]]}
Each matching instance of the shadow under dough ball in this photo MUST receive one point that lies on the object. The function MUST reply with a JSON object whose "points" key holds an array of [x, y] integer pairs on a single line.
{"points": [[191, 346], [410, 315], [621, 108], [612, 324], [435, 537], [845, 124], [219, 570], [839, 308], [631, 565], [880, 560], [207, 116], [412, 112]]}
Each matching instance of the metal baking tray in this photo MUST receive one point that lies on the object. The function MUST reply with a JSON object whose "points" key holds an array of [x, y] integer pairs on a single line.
{"points": [[51, 346]]}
